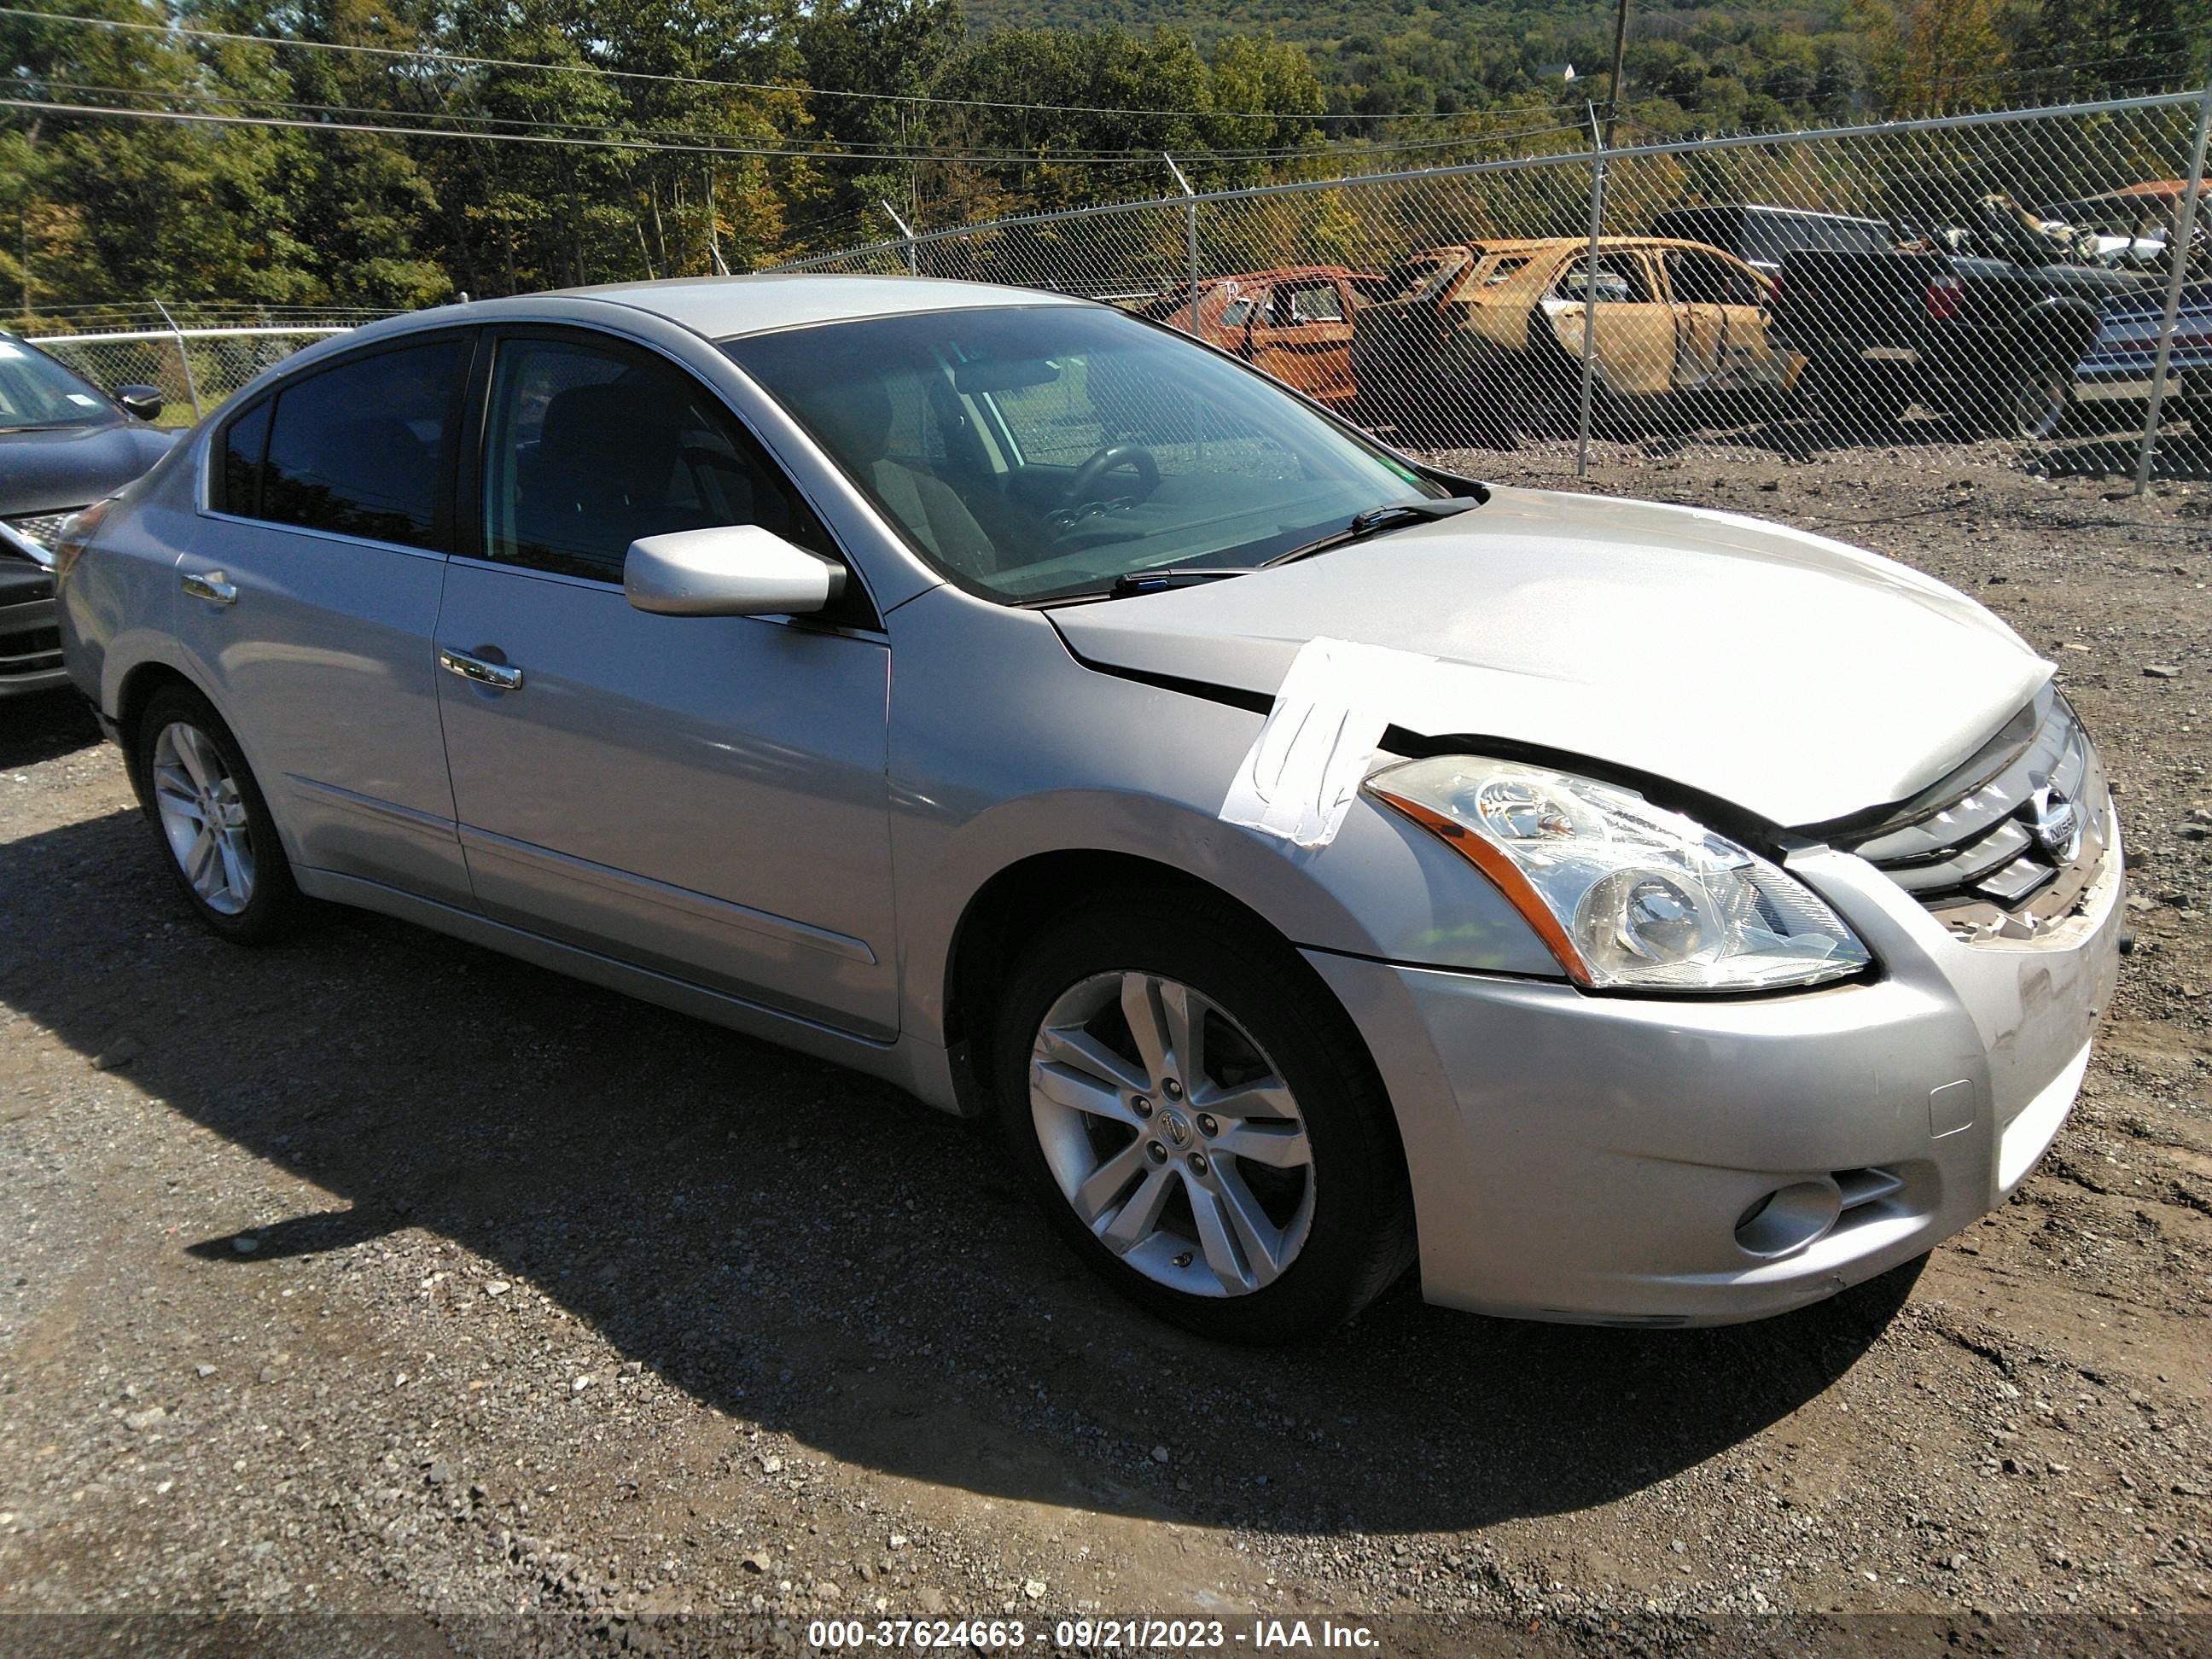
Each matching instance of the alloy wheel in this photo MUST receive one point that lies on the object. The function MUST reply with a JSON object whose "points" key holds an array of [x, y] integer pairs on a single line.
{"points": [[203, 817], [1171, 1134]]}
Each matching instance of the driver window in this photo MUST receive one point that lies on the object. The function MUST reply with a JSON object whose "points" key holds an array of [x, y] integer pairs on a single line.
{"points": [[587, 447]]}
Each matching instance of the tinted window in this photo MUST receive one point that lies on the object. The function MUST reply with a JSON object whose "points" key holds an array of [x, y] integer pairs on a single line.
{"points": [[1238, 313], [588, 447], [361, 448], [1773, 236], [243, 442]]}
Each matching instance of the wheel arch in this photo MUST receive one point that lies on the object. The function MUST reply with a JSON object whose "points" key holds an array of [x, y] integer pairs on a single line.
{"points": [[138, 686], [1028, 896]]}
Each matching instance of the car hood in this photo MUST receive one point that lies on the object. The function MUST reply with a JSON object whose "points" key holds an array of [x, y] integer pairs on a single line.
{"points": [[1798, 678], [73, 466]]}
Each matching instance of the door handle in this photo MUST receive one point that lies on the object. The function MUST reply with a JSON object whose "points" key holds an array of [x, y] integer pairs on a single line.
{"points": [[497, 675], [212, 587]]}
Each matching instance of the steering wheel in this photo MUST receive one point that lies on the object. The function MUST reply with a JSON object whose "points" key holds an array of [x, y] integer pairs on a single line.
{"points": [[1136, 457]]}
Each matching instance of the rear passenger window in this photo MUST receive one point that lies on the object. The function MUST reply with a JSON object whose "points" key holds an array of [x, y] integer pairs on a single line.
{"points": [[243, 442], [360, 449]]}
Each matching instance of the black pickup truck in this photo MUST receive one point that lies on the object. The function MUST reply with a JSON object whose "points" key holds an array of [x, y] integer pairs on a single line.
{"points": [[1994, 339]]}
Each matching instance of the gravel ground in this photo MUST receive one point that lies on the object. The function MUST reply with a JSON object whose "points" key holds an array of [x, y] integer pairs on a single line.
{"points": [[378, 1273]]}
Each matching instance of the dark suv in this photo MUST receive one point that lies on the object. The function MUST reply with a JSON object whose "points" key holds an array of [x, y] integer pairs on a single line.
{"points": [[1760, 236], [64, 444]]}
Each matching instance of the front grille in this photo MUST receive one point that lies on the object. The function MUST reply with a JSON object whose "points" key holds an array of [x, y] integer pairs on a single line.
{"points": [[41, 528], [2006, 847]]}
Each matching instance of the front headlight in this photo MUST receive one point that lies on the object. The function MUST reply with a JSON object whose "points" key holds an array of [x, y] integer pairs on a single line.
{"points": [[1627, 896]]}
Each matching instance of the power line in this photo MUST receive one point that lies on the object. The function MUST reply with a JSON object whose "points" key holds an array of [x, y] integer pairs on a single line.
{"points": [[471, 61], [652, 140]]}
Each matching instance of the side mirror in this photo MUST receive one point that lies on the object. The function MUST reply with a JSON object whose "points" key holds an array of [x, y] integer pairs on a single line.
{"points": [[731, 570], [143, 401]]}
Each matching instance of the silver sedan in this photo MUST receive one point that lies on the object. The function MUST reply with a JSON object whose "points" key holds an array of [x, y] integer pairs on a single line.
{"points": [[1314, 860]]}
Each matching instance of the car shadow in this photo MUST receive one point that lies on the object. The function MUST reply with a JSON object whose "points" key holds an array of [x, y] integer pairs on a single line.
{"points": [[44, 726], [806, 1247]]}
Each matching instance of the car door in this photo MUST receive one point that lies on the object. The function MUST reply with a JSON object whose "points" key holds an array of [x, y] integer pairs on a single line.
{"points": [[1633, 331], [703, 796], [1720, 335], [309, 597], [1304, 338]]}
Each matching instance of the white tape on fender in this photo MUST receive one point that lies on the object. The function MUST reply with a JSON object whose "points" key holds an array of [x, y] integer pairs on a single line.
{"points": [[1298, 779]]}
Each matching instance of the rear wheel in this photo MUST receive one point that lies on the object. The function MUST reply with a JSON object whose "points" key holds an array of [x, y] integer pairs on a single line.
{"points": [[218, 838], [1860, 402], [2034, 401], [1200, 1121]]}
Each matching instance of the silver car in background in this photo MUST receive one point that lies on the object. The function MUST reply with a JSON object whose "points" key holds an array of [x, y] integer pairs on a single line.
{"points": [[958, 684]]}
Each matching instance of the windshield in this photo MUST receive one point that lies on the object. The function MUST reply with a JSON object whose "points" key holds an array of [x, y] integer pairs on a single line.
{"points": [[1040, 452], [36, 391]]}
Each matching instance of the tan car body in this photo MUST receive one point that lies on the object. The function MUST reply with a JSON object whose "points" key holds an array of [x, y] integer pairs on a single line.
{"points": [[1295, 322], [1496, 322]]}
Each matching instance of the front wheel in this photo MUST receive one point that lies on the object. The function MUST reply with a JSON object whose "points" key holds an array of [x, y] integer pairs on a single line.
{"points": [[1200, 1121]]}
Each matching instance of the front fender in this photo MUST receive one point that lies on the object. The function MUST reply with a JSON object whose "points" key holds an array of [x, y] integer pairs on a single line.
{"points": [[1003, 746]]}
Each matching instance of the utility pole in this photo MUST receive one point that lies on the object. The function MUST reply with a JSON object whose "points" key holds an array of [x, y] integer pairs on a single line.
{"points": [[1619, 71]]}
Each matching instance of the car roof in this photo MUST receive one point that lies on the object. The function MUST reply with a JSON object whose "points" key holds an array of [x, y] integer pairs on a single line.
{"points": [[721, 307], [1768, 207], [1482, 247]]}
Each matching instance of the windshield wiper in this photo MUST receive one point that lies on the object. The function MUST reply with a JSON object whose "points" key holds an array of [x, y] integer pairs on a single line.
{"points": [[1132, 582], [1394, 515]]}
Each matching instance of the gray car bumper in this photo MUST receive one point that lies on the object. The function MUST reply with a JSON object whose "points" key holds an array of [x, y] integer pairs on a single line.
{"points": [[1589, 1158]]}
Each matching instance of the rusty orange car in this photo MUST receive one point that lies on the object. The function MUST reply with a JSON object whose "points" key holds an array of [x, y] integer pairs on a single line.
{"points": [[1297, 322], [1477, 341]]}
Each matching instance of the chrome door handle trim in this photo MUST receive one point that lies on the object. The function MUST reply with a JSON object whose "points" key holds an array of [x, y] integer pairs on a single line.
{"points": [[212, 587], [497, 675]]}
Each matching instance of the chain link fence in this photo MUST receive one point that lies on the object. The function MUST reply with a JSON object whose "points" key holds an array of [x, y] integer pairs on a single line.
{"points": [[2029, 285], [195, 369]]}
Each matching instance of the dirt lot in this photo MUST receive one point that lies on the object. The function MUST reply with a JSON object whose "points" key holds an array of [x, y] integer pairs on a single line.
{"points": [[376, 1272]]}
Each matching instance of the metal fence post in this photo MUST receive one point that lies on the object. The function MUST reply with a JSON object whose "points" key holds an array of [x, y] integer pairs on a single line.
{"points": [[1190, 234], [913, 247], [184, 357], [1590, 298], [2178, 250]]}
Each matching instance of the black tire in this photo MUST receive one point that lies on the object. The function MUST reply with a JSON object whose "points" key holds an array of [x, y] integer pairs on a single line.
{"points": [[1550, 395], [1360, 1235], [274, 905], [1856, 403], [2032, 401]]}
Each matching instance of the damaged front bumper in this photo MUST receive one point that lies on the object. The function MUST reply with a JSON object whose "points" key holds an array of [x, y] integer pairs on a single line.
{"points": [[1698, 1160]]}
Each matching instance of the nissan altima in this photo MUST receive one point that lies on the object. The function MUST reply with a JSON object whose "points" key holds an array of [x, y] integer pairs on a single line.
{"points": [[1316, 863]]}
